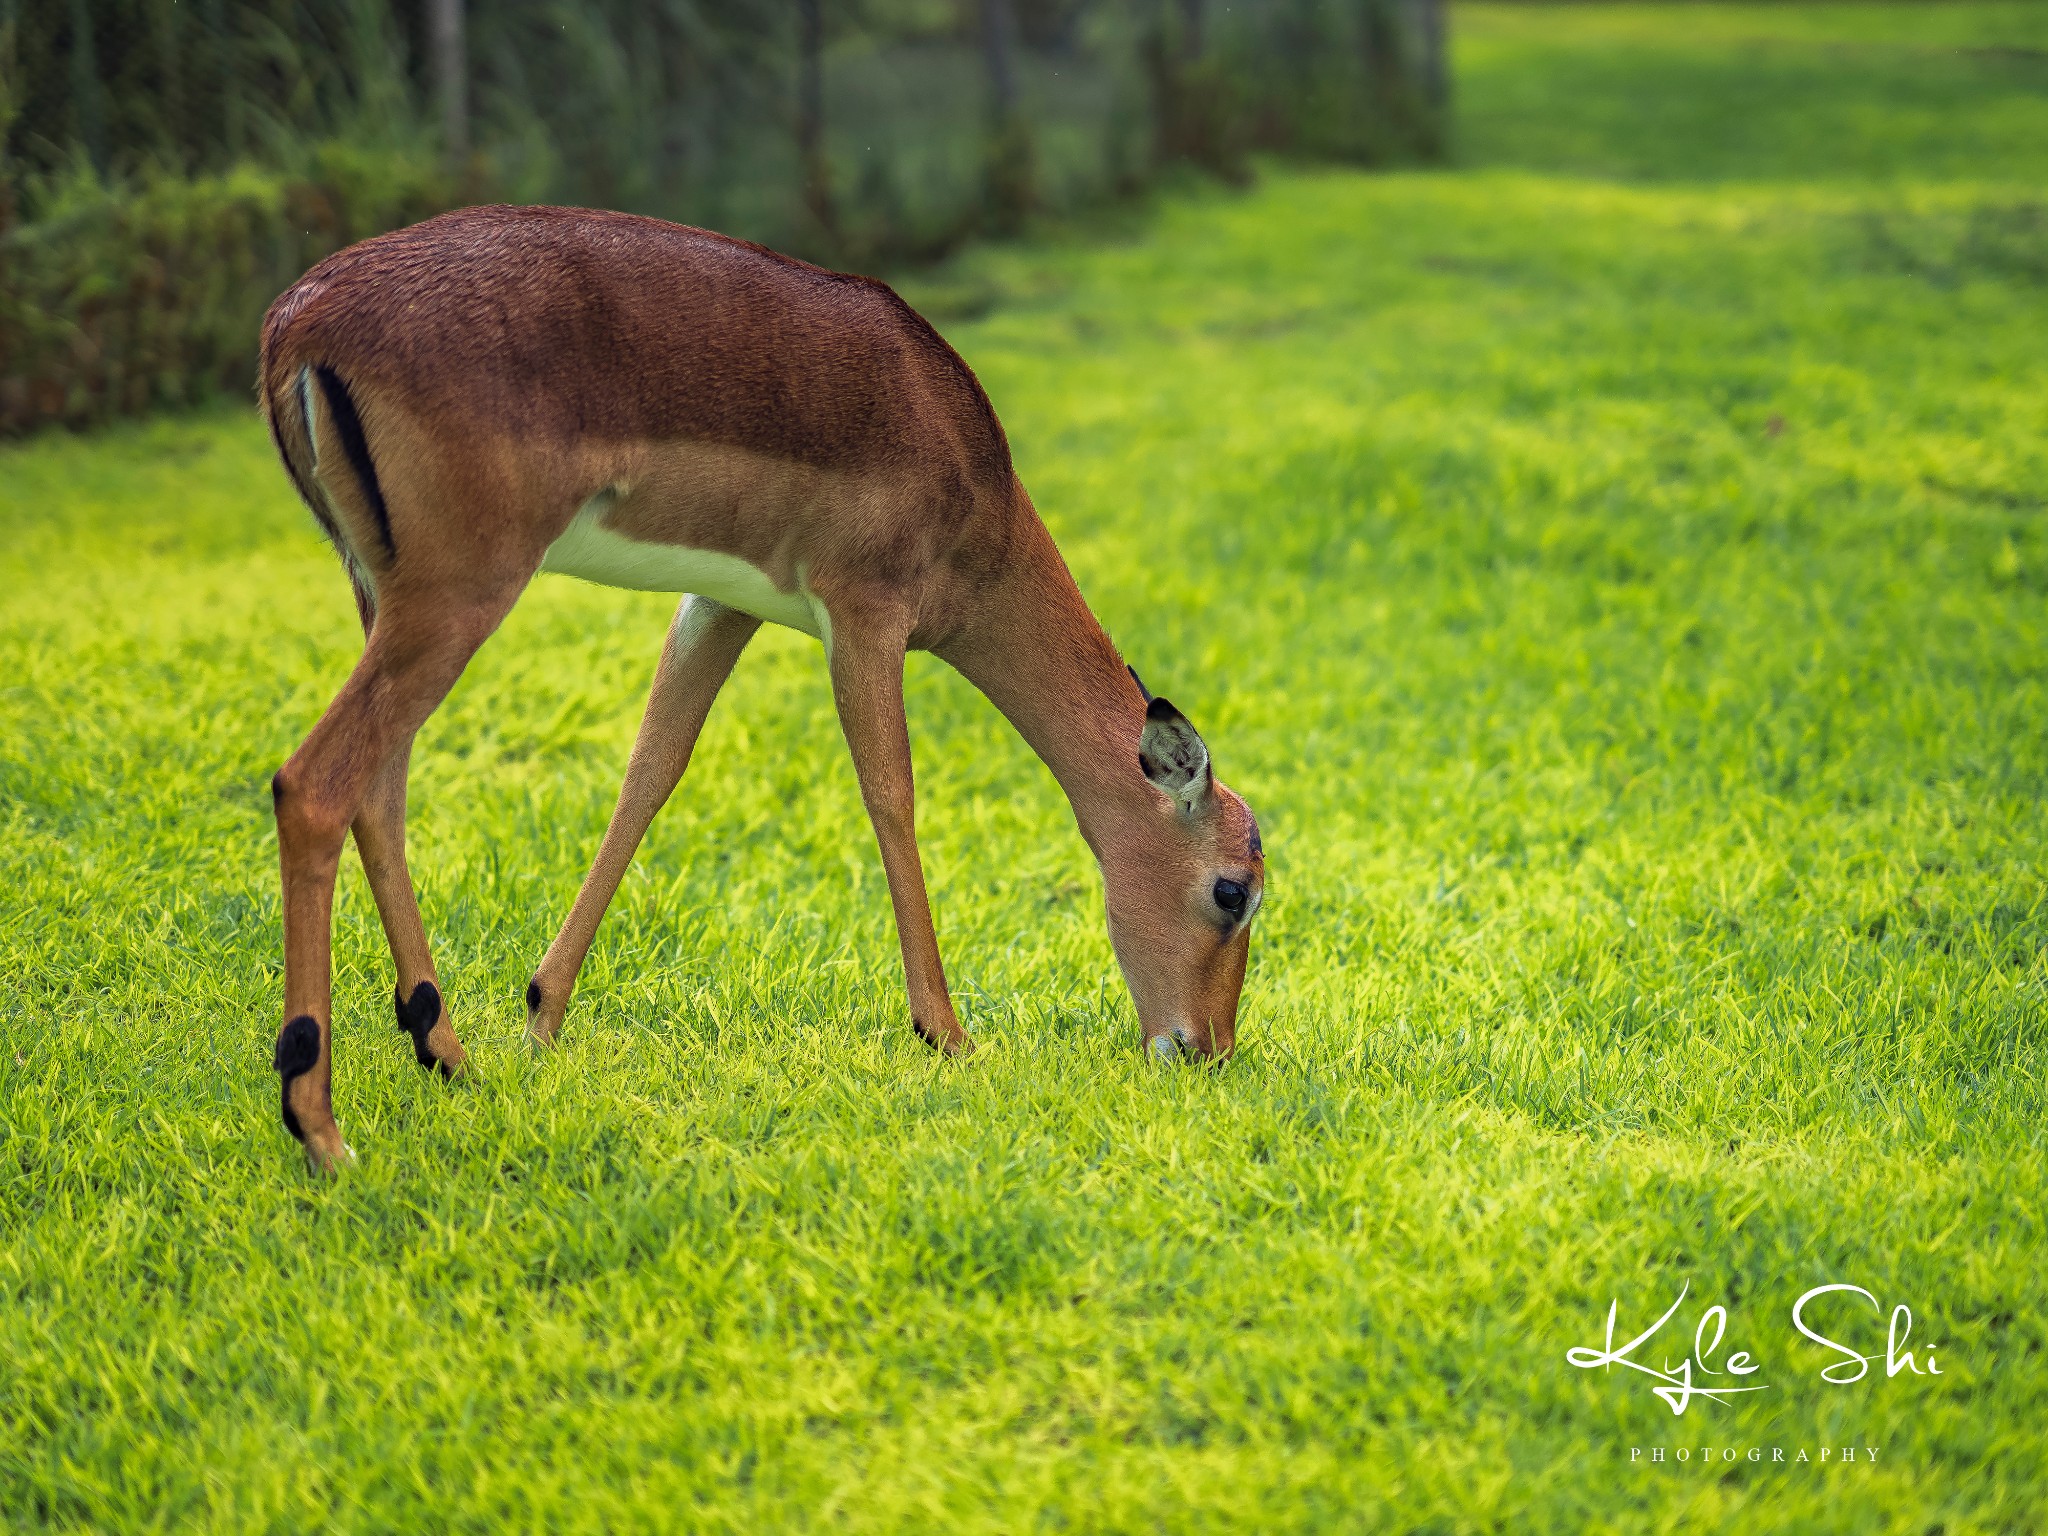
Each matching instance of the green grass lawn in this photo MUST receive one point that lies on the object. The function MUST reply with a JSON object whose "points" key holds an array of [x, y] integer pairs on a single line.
{"points": [[1614, 568]]}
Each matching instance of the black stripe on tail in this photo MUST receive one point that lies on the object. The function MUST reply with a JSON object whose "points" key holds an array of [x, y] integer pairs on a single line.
{"points": [[350, 426], [302, 480]]}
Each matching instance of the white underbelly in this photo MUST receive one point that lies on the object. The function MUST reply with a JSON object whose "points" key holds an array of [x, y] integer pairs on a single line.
{"points": [[590, 551]]}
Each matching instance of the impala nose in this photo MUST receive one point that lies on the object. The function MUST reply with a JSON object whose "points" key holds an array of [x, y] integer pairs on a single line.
{"points": [[1170, 1046]]}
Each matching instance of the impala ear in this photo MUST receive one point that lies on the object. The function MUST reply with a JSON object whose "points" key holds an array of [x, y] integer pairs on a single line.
{"points": [[1173, 755]]}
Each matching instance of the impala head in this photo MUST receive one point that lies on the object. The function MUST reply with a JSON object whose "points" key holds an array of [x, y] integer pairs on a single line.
{"points": [[1182, 892]]}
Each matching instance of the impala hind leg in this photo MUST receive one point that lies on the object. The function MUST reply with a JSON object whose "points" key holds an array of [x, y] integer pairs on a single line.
{"points": [[866, 656], [379, 832], [703, 645], [413, 658]]}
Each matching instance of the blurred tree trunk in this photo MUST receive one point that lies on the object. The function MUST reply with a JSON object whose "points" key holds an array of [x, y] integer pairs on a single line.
{"points": [[226, 78], [85, 87], [170, 59], [1430, 58], [810, 120], [1385, 77], [10, 108], [1407, 75], [451, 79], [1194, 99], [1011, 189], [1430, 71]]}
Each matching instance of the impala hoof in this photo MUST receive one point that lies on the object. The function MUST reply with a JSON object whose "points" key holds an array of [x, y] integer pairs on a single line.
{"points": [[950, 1042], [332, 1156], [543, 1014], [434, 1045], [303, 1104], [1168, 1047]]}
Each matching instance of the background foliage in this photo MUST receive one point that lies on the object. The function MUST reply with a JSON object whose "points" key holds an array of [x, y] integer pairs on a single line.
{"points": [[1615, 571], [170, 165]]}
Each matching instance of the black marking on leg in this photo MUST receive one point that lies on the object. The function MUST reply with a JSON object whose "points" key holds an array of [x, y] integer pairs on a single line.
{"points": [[349, 426], [927, 1034], [298, 1048], [533, 996], [417, 1016]]}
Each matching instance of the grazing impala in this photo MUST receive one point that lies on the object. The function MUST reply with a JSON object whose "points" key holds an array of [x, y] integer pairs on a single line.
{"points": [[502, 391]]}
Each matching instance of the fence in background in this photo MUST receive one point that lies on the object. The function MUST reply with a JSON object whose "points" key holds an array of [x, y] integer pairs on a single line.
{"points": [[167, 165]]}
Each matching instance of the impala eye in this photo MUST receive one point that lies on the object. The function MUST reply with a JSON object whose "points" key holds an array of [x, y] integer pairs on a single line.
{"points": [[1230, 896]]}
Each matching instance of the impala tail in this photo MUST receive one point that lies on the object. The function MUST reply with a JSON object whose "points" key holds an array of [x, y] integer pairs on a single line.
{"points": [[318, 432]]}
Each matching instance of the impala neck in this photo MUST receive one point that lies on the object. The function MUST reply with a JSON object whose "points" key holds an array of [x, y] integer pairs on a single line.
{"points": [[1034, 648]]}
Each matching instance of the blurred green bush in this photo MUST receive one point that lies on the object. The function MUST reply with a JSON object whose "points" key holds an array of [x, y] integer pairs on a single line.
{"points": [[167, 167], [132, 296]]}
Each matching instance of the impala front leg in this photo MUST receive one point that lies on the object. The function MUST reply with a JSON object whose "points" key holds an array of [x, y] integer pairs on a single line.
{"points": [[866, 655], [703, 645]]}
